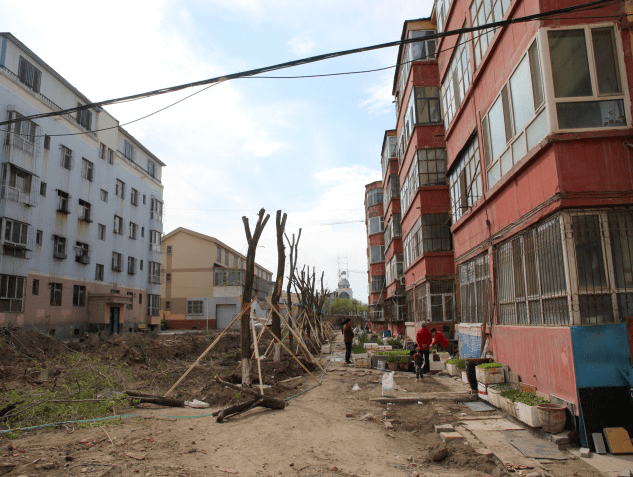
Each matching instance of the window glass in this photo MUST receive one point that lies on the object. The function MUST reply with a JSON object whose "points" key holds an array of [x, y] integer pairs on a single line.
{"points": [[522, 103], [497, 128], [606, 61], [591, 114], [570, 65], [535, 71]]}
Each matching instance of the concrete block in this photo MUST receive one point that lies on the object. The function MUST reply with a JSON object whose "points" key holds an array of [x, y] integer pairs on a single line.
{"points": [[618, 440], [450, 436], [444, 428], [560, 439], [584, 452], [624, 473], [598, 443], [513, 377]]}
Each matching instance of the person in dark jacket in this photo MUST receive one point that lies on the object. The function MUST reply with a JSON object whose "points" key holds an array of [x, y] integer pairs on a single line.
{"points": [[348, 337]]}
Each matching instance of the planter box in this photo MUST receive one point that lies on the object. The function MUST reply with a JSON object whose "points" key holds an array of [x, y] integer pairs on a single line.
{"points": [[464, 377], [493, 397], [437, 365], [444, 355], [371, 346], [452, 369], [528, 414], [490, 375], [360, 355], [508, 406], [384, 348], [375, 360], [482, 391], [361, 363]]}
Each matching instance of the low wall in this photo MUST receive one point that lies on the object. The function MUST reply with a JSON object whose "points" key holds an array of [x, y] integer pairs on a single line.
{"points": [[191, 324]]}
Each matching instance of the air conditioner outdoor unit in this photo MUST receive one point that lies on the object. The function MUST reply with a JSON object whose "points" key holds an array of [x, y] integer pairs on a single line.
{"points": [[403, 280]]}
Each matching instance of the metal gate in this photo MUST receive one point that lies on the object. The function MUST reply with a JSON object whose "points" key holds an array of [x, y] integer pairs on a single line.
{"points": [[224, 315]]}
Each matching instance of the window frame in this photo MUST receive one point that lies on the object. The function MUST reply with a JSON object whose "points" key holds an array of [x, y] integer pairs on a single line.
{"points": [[79, 295], [195, 307], [87, 169]]}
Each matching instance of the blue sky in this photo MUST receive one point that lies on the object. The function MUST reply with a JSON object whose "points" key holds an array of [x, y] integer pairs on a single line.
{"points": [[306, 146]]}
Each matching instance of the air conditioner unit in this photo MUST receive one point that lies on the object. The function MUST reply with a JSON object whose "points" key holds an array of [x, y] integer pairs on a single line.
{"points": [[402, 280]]}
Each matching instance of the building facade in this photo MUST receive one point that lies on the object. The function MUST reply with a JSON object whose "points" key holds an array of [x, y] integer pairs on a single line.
{"points": [[538, 129], [81, 206], [204, 280], [374, 223]]}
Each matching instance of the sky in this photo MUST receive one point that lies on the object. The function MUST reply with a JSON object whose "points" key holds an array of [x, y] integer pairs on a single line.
{"points": [[305, 146]]}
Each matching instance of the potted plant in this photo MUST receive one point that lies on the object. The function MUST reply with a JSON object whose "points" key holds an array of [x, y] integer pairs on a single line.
{"points": [[451, 367], [494, 393], [359, 351], [404, 362], [490, 373], [526, 406], [392, 362]]}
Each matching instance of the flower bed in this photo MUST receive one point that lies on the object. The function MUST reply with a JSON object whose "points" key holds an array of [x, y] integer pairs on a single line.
{"points": [[525, 405]]}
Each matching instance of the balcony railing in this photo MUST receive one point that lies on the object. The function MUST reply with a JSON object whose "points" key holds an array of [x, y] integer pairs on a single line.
{"points": [[83, 258], [156, 216], [154, 247], [20, 142], [154, 279], [59, 254], [16, 195]]}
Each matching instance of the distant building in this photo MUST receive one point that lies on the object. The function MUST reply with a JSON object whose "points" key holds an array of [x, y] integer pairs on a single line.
{"points": [[204, 280], [81, 204], [344, 290]]}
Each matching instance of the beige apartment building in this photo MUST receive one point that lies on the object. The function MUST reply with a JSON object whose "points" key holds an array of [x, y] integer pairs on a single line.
{"points": [[203, 279]]}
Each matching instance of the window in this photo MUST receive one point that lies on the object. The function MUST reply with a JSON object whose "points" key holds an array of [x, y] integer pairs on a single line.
{"points": [[110, 156], [120, 189], [67, 158], [441, 8], [412, 244], [169, 249], [128, 150], [483, 12], [79, 295], [235, 260], [377, 283], [130, 306], [118, 225], [394, 269], [84, 117], [374, 197], [140, 298], [131, 265], [29, 75], [155, 240], [457, 80], [39, 237], [134, 196], [474, 284], [87, 169], [393, 229], [151, 168], [218, 254], [133, 230], [63, 202], [392, 191], [375, 225], [144, 197], [47, 142], [59, 249], [420, 50], [226, 258], [156, 208], [22, 133], [516, 122], [43, 189], [56, 294], [228, 278], [377, 254], [141, 266], [436, 233], [35, 289], [99, 272], [101, 232], [429, 169], [11, 293], [168, 277], [117, 261], [142, 231], [195, 307], [168, 305], [15, 232], [153, 305], [586, 77], [530, 277], [465, 179], [17, 184], [423, 108], [435, 301], [85, 211], [103, 195], [102, 151], [389, 151], [82, 253], [154, 272]]}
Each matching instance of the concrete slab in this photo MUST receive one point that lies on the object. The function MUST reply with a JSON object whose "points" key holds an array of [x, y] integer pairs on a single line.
{"points": [[492, 425], [444, 428], [609, 465], [450, 436], [584, 452], [496, 442], [598, 443], [531, 446], [479, 406], [618, 440]]}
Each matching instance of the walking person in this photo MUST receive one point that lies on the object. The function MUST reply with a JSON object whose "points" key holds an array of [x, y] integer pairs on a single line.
{"points": [[348, 338], [417, 359], [424, 338]]}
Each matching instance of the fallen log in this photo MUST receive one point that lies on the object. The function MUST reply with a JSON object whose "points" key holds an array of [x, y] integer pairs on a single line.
{"points": [[256, 401], [152, 399]]}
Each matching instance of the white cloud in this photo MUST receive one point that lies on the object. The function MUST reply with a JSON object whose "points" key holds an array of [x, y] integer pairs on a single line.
{"points": [[301, 45], [380, 100]]}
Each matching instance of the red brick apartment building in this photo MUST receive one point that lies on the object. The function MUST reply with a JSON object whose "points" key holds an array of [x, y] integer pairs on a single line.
{"points": [[537, 119], [375, 251], [536, 188]]}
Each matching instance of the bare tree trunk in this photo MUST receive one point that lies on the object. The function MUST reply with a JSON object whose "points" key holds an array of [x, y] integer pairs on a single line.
{"points": [[294, 249], [281, 264], [245, 324]]}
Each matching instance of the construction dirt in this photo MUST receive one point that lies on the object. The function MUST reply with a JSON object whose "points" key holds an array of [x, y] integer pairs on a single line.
{"points": [[337, 428]]}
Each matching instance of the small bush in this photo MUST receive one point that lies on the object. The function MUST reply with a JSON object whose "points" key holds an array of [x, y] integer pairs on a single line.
{"points": [[524, 397], [358, 349], [459, 362], [394, 342], [490, 365]]}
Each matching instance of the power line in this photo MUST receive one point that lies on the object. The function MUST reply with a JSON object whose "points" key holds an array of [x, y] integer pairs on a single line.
{"points": [[314, 59]]}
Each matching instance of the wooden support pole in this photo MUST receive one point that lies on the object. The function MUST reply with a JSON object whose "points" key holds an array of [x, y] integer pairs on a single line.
{"points": [[259, 364], [284, 347], [209, 348]]}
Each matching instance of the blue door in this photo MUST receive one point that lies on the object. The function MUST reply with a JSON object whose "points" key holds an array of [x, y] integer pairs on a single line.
{"points": [[114, 320]]}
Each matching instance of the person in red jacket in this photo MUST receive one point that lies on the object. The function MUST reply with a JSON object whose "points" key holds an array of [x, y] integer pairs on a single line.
{"points": [[424, 338], [439, 339]]}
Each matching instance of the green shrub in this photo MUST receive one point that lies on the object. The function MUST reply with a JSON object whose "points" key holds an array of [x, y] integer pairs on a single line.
{"points": [[524, 397], [397, 352], [394, 342], [459, 362], [363, 338], [392, 358], [358, 349], [490, 365]]}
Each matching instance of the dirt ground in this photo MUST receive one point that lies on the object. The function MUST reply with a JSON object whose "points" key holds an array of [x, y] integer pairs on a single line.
{"points": [[327, 430]]}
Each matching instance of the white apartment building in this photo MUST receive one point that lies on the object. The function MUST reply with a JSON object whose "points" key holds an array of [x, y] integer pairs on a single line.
{"points": [[81, 204]]}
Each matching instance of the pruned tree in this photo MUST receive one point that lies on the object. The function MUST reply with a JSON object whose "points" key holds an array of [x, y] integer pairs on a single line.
{"points": [[294, 252], [281, 265], [245, 324]]}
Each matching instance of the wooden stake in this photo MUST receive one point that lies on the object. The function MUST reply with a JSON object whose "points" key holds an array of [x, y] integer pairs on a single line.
{"points": [[291, 354], [239, 315], [259, 365]]}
